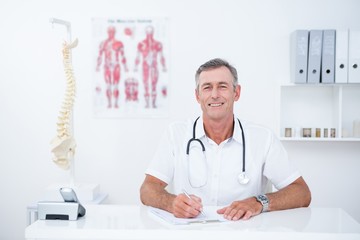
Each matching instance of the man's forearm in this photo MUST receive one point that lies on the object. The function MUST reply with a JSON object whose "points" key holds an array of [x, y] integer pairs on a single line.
{"points": [[295, 195], [152, 194]]}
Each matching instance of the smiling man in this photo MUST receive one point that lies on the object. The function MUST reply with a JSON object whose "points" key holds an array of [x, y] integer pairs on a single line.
{"points": [[221, 160]]}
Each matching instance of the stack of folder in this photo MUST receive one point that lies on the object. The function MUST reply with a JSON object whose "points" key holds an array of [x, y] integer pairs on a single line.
{"points": [[325, 56]]}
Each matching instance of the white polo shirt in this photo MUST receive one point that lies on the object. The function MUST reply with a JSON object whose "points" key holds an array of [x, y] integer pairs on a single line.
{"points": [[213, 175]]}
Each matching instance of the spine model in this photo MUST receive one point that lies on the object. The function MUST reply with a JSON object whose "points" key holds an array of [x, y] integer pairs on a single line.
{"points": [[63, 145]]}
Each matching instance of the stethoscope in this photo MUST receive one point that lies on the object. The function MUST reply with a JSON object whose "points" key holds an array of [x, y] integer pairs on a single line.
{"points": [[242, 178]]}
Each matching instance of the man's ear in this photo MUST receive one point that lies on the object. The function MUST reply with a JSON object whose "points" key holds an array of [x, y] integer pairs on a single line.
{"points": [[197, 95], [237, 92]]}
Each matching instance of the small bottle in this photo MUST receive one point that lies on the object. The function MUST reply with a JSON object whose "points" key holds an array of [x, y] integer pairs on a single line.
{"points": [[333, 133], [288, 132], [326, 132], [307, 132]]}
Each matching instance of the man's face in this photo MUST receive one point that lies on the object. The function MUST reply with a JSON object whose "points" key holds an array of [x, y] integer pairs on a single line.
{"points": [[216, 93]]}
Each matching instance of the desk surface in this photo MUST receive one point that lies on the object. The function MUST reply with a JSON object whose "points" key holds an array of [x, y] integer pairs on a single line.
{"points": [[136, 222]]}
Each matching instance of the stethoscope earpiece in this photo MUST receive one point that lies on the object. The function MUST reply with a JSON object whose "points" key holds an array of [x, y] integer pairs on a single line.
{"points": [[243, 179]]}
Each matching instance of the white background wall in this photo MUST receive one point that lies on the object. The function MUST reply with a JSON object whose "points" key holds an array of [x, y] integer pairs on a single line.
{"points": [[253, 35]]}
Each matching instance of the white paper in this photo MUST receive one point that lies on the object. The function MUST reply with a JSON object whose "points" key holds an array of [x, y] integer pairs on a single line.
{"points": [[210, 213]]}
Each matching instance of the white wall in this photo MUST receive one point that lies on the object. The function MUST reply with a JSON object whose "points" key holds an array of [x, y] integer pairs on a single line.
{"points": [[253, 35]]}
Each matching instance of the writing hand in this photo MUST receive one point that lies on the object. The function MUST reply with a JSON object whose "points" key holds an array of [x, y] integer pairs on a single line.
{"points": [[185, 207]]}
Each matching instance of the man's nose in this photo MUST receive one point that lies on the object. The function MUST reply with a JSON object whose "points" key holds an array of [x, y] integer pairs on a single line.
{"points": [[214, 92]]}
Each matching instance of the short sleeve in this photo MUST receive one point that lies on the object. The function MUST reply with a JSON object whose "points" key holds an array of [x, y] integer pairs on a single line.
{"points": [[162, 164], [278, 168]]}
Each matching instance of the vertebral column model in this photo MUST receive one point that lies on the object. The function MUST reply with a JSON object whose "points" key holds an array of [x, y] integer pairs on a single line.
{"points": [[63, 145], [112, 50], [149, 49]]}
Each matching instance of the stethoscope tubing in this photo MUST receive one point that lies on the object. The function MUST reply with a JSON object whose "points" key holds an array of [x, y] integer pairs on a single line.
{"points": [[203, 147]]}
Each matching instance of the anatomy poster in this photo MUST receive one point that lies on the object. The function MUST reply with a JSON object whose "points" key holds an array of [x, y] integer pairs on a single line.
{"points": [[131, 67]]}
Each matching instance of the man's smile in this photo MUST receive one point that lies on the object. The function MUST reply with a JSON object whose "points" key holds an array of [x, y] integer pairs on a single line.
{"points": [[215, 104]]}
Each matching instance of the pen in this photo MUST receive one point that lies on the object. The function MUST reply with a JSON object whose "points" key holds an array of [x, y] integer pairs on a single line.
{"points": [[188, 196]]}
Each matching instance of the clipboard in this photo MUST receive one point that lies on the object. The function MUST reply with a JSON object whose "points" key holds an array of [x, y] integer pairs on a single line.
{"points": [[211, 216]]}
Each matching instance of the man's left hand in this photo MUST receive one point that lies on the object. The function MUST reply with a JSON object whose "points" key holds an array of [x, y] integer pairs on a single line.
{"points": [[243, 209]]}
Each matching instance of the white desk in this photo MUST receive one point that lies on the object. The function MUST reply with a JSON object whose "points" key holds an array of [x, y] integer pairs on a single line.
{"points": [[135, 222]]}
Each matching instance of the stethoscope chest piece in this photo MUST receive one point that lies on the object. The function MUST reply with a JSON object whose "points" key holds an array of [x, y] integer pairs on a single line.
{"points": [[243, 179]]}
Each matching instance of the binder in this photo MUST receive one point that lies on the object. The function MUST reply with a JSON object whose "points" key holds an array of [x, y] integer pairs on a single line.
{"points": [[342, 56], [299, 55], [354, 56], [314, 61], [328, 57]]}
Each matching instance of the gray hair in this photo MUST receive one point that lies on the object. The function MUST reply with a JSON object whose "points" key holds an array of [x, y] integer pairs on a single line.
{"points": [[216, 63]]}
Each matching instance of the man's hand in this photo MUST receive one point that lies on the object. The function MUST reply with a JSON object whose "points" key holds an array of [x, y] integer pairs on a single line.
{"points": [[153, 193], [243, 209], [184, 207]]}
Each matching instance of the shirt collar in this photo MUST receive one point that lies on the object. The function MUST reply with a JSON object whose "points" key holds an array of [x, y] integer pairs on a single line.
{"points": [[237, 131], [200, 131]]}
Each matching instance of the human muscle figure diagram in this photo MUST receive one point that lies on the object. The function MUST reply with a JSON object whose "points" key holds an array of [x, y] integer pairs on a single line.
{"points": [[143, 90], [63, 145], [149, 49], [112, 51], [131, 90]]}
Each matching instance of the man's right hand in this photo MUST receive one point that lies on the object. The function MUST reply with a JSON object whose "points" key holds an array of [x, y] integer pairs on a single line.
{"points": [[184, 207], [153, 193]]}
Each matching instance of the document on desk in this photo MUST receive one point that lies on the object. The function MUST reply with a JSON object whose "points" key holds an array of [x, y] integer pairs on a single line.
{"points": [[210, 216]]}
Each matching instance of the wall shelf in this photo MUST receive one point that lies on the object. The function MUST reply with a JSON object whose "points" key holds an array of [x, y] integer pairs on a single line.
{"points": [[319, 106], [302, 139]]}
